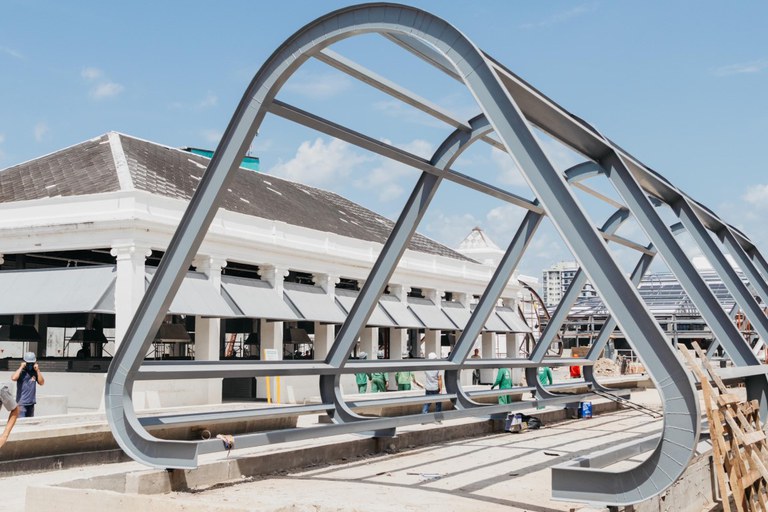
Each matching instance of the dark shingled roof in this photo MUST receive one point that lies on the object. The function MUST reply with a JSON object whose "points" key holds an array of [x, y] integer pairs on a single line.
{"points": [[89, 168], [86, 168]]}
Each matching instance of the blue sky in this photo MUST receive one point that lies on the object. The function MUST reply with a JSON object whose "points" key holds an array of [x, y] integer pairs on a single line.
{"points": [[683, 86]]}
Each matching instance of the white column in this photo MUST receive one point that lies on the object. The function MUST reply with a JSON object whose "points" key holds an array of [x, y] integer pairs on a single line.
{"points": [[129, 284], [431, 342], [274, 275], [369, 342], [272, 332], [398, 338], [208, 330], [325, 333], [432, 338], [513, 351], [487, 351]]}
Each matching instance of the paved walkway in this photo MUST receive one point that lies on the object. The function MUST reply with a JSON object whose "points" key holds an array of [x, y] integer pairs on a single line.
{"points": [[507, 472]]}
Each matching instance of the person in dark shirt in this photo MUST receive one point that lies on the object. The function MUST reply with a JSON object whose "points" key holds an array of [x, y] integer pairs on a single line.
{"points": [[27, 377]]}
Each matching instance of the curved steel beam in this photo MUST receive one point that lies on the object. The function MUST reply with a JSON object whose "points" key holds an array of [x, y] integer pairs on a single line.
{"points": [[381, 272], [571, 295], [680, 431]]}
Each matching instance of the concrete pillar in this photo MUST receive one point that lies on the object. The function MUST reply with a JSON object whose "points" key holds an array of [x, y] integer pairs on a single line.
{"points": [[487, 351], [41, 324], [513, 351], [324, 336], [398, 343], [274, 275], [129, 284], [369, 342], [432, 342], [272, 332], [271, 337], [324, 333], [208, 330]]}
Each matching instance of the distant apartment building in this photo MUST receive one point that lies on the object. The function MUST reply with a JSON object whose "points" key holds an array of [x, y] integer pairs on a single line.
{"points": [[556, 279]]}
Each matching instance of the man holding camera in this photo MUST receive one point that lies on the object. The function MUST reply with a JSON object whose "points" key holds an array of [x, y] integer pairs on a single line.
{"points": [[27, 377]]}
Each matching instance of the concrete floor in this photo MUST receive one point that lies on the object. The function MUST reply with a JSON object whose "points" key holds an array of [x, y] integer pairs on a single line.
{"points": [[507, 472]]}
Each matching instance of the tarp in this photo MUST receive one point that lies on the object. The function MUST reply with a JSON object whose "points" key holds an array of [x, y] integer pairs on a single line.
{"points": [[257, 299], [379, 318], [431, 315], [313, 304], [403, 316], [58, 290]]}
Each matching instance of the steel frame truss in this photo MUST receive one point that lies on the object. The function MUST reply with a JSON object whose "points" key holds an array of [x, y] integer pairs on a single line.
{"points": [[509, 108]]}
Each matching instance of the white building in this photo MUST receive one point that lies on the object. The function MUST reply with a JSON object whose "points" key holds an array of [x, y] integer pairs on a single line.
{"points": [[82, 229], [556, 279]]}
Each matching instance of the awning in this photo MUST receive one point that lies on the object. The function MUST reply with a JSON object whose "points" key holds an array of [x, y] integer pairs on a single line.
{"points": [[313, 304], [379, 317], [257, 299], [197, 297], [58, 290], [458, 314], [513, 320], [431, 315], [494, 324], [403, 316]]}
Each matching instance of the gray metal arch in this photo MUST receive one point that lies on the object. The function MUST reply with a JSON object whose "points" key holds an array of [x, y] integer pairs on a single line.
{"points": [[480, 75], [413, 211]]}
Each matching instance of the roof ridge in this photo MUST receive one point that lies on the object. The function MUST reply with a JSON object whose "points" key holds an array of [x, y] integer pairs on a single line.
{"points": [[121, 162]]}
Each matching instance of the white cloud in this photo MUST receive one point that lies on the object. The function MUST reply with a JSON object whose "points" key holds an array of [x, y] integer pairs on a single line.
{"points": [[318, 86], [450, 229], [561, 156], [91, 74], [561, 16], [509, 172], [757, 196], [406, 114], [41, 129], [319, 162], [101, 86], [2, 138], [11, 52], [388, 177], [741, 68], [212, 136], [210, 100], [503, 221], [106, 90]]}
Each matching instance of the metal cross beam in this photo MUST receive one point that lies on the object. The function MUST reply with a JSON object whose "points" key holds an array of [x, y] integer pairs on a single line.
{"points": [[510, 107]]}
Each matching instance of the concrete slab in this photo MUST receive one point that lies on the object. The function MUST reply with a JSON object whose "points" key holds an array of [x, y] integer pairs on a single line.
{"points": [[499, 471]]}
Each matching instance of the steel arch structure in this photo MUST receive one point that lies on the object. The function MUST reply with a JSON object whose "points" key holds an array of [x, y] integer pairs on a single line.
{"points": [[508, 108]]}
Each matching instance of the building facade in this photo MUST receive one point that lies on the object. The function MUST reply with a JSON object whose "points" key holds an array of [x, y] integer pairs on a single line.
{"points": [[556, 279], [82, 230]]}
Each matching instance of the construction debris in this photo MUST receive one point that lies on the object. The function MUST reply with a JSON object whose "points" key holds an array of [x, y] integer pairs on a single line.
{"points": [[739, 445], [605, 367]]}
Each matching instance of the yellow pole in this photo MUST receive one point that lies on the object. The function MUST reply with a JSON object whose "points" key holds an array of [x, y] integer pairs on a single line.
{"points": [[277, 391], [268, 379]]}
